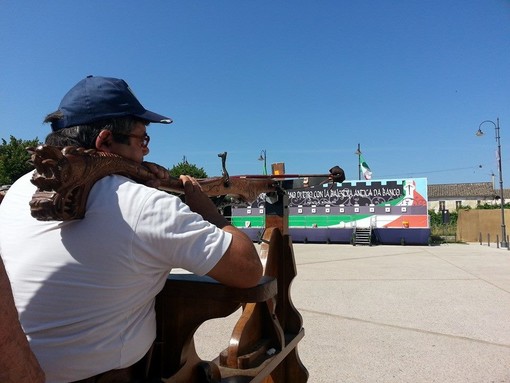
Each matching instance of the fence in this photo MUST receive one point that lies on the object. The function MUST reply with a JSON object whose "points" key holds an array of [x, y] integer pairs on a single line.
{"points": [[479, 225]]}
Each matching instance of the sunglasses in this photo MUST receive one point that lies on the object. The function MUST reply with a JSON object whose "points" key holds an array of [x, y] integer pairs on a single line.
{"points": [[145, 138]]}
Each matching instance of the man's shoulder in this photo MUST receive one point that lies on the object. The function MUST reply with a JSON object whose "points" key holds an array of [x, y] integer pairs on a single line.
{"points": [[21, 183], [126, 187]]}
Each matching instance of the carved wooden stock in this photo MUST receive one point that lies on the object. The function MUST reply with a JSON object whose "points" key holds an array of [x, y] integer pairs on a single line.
{"points": [[64, 177]]}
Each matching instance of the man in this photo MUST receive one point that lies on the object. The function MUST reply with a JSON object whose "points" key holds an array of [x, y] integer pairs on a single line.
{"points": [[85, 289], [336, 174]]}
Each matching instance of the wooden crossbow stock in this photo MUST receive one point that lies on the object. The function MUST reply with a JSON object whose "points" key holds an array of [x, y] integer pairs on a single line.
{"points": [[65, 176]]}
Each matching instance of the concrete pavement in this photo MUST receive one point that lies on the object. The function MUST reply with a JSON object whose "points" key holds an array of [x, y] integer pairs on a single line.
{"points": [[397, 313]]}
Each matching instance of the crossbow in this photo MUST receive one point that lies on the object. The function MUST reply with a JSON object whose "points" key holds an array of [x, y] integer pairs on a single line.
{"points": [[65, 176]]}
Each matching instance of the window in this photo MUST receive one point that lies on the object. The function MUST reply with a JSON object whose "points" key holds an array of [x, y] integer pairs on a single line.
{"points": [[458, 205], [442, 205]]}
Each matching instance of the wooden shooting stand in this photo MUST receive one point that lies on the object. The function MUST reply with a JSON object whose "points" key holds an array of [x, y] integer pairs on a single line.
{"points": [[263, 345]]}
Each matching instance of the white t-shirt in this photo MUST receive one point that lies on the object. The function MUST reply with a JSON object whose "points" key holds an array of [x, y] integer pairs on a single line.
{"points": [[85, 289]]}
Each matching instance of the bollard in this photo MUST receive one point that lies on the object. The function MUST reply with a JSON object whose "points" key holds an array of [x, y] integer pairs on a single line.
{"points": [[497, 241], [489, 239], [480, 238]]}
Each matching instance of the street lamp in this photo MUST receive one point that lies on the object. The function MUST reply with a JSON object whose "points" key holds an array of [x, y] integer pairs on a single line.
{"points": [[263, 157], [480, 133]]}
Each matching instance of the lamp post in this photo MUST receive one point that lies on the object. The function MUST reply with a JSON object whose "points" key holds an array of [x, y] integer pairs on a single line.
{"points": [[480, 133], [263, 157]]}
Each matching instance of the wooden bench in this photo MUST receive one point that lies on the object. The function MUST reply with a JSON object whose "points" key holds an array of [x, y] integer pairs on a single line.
{"points": [[263, 344]]}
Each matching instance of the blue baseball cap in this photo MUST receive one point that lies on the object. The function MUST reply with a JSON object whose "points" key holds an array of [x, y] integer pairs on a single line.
{"points": [[100, 98]]}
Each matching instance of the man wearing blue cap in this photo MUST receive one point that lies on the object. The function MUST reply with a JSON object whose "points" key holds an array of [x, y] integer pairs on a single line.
{"points": [[85, 289]]}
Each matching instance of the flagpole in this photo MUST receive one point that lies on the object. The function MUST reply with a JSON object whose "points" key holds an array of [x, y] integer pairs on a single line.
{"points": [[358, 152], [263, 157]]}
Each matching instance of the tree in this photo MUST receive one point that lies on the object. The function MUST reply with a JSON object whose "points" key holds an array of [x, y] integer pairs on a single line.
{"points": [[14, 159], [184, 167]]}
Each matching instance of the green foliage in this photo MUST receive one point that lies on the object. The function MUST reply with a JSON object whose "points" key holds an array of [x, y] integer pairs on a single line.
{"points": [[488, 206], [188, 169], [443, 230], [14, 159], [438, 229], [436, 219]]}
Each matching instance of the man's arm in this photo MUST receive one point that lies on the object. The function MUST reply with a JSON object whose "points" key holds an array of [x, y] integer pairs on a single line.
{"points": [[240, 266], [17, 361]]}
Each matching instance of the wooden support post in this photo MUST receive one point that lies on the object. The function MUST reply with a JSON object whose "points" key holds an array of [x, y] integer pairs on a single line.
{"points": [[264, 341], [277, 210]]}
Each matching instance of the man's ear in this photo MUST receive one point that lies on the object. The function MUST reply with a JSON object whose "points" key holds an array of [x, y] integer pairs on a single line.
{"points": [[104, 140]]}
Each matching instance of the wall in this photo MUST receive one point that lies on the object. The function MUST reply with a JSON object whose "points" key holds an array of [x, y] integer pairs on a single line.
{"points": [[473, 222]]}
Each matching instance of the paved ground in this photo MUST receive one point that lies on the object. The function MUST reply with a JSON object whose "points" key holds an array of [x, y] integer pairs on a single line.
{"points": [[397, 314]]}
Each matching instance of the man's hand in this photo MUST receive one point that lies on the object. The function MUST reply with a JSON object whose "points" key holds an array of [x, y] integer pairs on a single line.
{"points": [[200, 203]]}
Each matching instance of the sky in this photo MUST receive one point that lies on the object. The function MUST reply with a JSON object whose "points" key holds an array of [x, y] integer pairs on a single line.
{"points": [[306, 81]]}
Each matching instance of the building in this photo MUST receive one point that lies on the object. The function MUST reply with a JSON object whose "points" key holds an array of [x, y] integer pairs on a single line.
{"points": [[453, 196]]}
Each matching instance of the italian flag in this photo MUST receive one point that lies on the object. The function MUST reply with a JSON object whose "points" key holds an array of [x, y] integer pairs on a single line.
{"points": [[367, 173]]}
